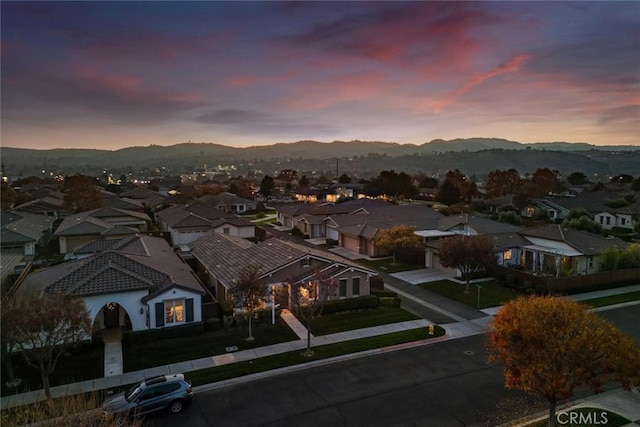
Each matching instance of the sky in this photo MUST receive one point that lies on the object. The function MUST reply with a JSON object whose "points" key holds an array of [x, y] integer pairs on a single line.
{"points": [[110, 75]]}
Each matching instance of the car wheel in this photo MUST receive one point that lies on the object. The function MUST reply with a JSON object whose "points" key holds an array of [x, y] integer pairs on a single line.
{"points": [[176, 406]]}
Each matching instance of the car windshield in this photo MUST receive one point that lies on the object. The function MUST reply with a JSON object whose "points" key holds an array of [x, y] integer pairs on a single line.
{"points": [[133, 393]]}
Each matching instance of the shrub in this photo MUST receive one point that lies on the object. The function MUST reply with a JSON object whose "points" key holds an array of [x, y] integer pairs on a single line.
{"points": [[380, 293], [389, 302], [335, 306], [213, 324], [143, 337]]}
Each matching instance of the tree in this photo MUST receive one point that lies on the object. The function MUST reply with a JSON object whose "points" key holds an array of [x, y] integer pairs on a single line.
{"points": [[249, 292], [501, 182], [577, 178], [266, 186], [428, 182], [344, 179], [81, 195], [8, 196], [545, 181], [397, 237], [395, 184], [308, 300], [303, 181], [580, 219], [449, 193], [468, 254], [553, 345], [40, 328]]}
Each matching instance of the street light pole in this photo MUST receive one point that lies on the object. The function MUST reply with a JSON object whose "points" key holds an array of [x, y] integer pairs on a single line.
{"points": [[479, 287]]}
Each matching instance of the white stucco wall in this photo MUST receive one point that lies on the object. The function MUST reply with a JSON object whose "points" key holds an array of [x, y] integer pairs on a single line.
{"points": [[171, 294], [129, 301], [242, 232]]}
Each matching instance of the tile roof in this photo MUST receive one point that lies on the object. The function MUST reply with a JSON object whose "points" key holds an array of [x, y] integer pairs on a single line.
{"points": [[30, 226], [132, 263], [227, 256], [480, 224], [191, 215], [583, 241]]}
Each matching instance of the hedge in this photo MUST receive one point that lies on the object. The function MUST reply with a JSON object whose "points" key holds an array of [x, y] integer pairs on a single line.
{"points": [[143, 337], [381, 293], [335, 306]]}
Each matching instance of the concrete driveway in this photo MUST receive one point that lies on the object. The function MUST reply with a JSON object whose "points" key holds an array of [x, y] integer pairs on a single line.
{"points": [[422, 276]]}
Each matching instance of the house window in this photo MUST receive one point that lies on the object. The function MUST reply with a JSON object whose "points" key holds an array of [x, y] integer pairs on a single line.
{"points": [[601, 219], [608, 220], [507, 254], [356, 286], [343, 288], [623, 221], [174, 311], [226, 230]]}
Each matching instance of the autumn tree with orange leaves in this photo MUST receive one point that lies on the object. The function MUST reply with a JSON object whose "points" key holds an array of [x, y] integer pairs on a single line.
{"points": [[397, 237], [553, 346]]}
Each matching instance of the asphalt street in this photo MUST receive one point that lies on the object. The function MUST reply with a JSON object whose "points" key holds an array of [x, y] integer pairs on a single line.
{"points": [[445, 384]]}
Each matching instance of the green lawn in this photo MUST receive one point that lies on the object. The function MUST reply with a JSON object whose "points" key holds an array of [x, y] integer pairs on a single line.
{"points": [[358, 319], [491, 294], [386, 265], [613, 299], [173, 350]]}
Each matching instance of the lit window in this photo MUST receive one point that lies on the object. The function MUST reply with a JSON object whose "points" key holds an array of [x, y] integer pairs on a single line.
{"points": [[507, 254], [174, 311]]}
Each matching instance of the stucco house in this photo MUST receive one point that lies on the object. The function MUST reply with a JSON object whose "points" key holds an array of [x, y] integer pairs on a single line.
{"points": [[189, 222], [282, 264], [136, 283]]}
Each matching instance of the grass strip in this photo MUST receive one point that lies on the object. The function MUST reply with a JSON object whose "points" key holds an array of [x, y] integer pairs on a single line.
{"points": [[358, 319], [292, 358], [612, 299]]}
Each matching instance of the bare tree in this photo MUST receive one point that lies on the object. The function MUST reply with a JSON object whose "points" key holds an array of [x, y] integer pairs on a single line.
{"points": [[40, 328], [309, 299], [249, 292]]}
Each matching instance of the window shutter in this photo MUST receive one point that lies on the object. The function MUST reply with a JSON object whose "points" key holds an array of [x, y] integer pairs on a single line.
{"points": [[159, 314], [189, 308]]}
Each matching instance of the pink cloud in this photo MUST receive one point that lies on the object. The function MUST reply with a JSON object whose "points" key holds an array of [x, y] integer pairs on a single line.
{"points": [[512, 65]]}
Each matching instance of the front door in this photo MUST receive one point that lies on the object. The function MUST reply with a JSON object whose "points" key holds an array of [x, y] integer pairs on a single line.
{"points": [[111, 315]]}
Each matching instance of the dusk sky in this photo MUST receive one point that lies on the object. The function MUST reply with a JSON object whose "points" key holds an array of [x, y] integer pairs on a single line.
{"points": [[115, 74]]}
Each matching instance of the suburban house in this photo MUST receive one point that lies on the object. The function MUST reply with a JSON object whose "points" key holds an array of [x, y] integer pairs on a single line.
{"points": [[597, 203], [136, 283], [229, 202], [358, 231], [282, 264], [507, 241], [51, 204], [22, 231], [189, 222], [103, 223], [555, 249]]}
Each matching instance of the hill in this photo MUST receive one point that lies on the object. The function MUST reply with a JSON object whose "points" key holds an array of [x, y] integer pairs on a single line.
{"points": [[472, 156]]}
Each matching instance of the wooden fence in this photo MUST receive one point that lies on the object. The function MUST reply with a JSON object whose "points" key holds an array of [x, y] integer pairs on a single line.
{"points": [[572, 284]]}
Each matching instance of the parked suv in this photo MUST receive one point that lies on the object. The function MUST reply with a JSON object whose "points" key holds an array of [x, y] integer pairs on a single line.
{"points": [[163, 392]]}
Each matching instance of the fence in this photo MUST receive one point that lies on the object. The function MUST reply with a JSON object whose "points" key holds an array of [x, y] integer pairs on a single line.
{"points": [[572, 284]]}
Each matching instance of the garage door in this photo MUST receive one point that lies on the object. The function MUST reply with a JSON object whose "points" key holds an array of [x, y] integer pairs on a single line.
{"points": [[350, 243]]}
